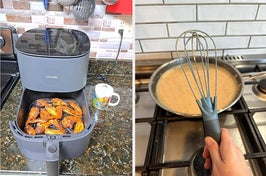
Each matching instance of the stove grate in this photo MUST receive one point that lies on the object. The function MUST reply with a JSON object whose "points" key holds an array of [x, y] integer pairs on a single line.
{"points": [[154, 156], [243, 115]]}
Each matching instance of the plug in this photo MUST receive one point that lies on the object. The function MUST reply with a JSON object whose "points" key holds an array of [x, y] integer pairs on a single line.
{"points": [[121, 31]]}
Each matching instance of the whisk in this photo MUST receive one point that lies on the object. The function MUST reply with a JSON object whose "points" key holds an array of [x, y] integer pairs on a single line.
{"points": [[195, 41]]}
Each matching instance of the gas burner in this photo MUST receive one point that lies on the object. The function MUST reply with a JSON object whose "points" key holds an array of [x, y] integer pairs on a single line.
{"points": [[197, 168], [260, 89]]}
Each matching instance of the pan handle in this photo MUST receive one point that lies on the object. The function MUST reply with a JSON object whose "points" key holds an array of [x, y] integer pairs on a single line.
{"points": [[52, 157], [211, 122]]}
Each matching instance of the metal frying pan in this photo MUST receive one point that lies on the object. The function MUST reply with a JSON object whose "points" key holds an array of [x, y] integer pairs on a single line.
{"points": [[157, 75], [176, 84]]}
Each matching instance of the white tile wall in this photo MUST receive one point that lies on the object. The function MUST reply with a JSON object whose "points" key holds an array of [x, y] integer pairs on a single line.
{"points": [[262, 13], [149, 2], [158, 45], [138, 2], [212, 28], [193, 1], [165, 13], [226, 12], [248, 1], [237, 26], [231, 42], [246, 28], [244, 51], [150, 31], [258, 41]]}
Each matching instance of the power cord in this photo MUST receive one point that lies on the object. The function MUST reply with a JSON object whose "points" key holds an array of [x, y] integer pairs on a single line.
{"points": [[103, 76]]}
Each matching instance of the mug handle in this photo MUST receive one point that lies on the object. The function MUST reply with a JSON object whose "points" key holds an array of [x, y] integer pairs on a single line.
{"points": [[118, 99]]}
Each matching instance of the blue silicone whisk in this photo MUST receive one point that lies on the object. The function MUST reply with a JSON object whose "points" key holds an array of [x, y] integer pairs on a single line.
{"points": [[195, 41]]}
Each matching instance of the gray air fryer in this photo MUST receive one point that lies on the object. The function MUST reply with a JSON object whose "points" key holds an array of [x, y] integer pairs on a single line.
{"points": [[53, 63]]}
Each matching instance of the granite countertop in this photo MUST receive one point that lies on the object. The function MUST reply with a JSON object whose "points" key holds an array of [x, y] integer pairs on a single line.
{"points": [[110, 148]]}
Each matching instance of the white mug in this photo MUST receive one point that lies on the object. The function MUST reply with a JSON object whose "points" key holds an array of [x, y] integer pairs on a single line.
{"points": [[102, 96]]}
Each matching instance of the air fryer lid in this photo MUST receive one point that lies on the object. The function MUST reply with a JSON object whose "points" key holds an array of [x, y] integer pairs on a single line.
{"points": [[51, 42]]}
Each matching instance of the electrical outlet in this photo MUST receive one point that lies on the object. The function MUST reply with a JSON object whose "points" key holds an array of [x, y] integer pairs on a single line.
{"points": [[121, 31]]}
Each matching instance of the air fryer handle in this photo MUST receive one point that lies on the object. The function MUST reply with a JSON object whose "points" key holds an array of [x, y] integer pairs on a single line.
{"points": [[212, 129], [52, 168], [52, 158]]}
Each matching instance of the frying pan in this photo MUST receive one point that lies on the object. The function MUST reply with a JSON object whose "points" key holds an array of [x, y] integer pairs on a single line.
{"points": [[156, 76], [210, 129]]}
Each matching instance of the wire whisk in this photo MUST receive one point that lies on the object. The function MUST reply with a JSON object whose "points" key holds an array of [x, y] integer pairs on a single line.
{"points": [[196, 68]]}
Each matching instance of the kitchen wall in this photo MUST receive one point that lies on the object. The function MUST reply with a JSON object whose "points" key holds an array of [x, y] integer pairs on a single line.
{"points": [[238, 27], [102, 28]]}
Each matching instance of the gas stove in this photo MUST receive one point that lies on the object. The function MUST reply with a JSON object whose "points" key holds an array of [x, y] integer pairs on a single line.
{"points": [[166, 143]]}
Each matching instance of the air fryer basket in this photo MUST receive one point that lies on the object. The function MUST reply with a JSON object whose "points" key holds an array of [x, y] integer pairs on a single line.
{"points": [[51, 148]]}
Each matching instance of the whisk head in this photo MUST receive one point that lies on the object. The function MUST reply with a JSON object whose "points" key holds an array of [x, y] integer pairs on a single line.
{"points": [[199, 73], [200, 68]]}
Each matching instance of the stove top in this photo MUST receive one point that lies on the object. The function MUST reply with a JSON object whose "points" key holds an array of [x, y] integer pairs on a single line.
{"points": [[166, 143], [9, 66], [9, 78], [5, 79]]}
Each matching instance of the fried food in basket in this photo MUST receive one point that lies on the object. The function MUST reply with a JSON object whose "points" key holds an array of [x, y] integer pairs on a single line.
{"points": [[54, 116]]}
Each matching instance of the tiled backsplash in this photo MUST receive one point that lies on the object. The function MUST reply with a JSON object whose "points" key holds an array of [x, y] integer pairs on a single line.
{"points": [[102, 28], [238, 27]]}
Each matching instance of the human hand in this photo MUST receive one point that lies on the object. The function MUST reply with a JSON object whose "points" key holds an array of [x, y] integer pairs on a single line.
{"points": [[226, 159]]}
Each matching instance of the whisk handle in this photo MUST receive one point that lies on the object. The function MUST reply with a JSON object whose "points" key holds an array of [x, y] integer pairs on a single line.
{"points": [[211, 122], [212, 129]]}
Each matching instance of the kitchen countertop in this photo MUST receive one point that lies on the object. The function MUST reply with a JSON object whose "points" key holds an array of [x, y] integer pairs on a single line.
{"points": [[110, 148]]}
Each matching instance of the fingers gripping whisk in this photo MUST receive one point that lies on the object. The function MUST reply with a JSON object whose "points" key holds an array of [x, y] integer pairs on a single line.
{"points": [[199, 69]]}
